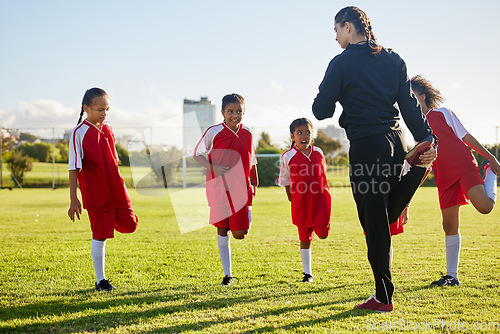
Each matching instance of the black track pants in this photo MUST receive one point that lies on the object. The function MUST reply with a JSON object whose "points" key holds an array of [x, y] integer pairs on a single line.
{"points": [[381, 194]]}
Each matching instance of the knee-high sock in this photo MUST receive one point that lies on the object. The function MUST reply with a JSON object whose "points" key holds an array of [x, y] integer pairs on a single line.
{"points": [[225, 254], [452, 254], [305, 254], [490, 184], [98, 258]]}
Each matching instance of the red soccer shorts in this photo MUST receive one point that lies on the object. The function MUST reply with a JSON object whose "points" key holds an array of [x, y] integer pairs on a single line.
{"points": [[105, 223], [456, 194], [240, 220], [306, 233]]}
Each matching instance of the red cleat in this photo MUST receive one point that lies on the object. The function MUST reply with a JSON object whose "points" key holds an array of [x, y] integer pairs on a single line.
{"points": [[372, 304]]}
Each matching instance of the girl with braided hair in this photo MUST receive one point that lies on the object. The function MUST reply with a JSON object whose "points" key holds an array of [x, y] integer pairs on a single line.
{"points": [[368, 80], [93, 163]]}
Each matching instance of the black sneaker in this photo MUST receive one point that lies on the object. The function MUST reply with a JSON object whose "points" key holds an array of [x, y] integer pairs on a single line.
{"points": [[446, 280], [104, 285], [307, 278], [228, 280]]}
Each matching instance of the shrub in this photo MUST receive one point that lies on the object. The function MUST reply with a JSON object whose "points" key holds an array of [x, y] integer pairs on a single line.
{"points": [[268, 169], [18, 165]]}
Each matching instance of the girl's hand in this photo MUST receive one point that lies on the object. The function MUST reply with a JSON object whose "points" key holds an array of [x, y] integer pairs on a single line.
{"points": [[405, 215], [75, 207], [219, 170], [428, 157]]}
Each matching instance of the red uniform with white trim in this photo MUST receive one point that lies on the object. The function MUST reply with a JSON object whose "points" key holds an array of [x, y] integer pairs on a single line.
{"points": [[92, 151], [310, 194], [231, 192], [455, 168]]}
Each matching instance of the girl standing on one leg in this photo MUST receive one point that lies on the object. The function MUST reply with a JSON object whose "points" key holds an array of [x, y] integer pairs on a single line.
{"points": [[227, 152], [303, 174], [368, 80], [456, 172], [93, 163]]}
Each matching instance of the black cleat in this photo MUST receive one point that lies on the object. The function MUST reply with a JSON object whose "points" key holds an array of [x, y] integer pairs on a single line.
{"points": [[446, 280], [104, 285], [307, 278], [228, 280]]}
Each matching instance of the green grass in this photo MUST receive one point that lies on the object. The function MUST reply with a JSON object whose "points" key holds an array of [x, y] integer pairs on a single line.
{"points": [[168, 282]]}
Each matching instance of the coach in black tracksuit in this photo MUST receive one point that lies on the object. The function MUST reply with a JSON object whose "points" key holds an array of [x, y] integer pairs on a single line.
{"points": [[368, 80]]}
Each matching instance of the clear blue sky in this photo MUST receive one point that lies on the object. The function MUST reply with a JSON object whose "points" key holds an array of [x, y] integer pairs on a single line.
{"points": [[150, 55]]}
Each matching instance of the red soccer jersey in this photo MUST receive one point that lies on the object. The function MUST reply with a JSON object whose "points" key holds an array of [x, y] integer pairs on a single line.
{"points": [[93, 152], [222, 146], [454, 159], [310, 194]]}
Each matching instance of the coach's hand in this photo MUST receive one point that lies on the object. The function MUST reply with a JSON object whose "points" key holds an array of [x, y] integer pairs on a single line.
{"points": [[75, 207]]}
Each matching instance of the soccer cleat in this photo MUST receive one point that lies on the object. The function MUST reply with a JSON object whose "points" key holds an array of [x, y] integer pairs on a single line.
{"points": [[413, 156], [104, 285], [446, 280], [372, 304], [307, 278], [228, 280]]}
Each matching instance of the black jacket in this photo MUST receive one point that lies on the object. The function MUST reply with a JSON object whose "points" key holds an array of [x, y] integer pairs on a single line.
{"points": [[368, 87]]}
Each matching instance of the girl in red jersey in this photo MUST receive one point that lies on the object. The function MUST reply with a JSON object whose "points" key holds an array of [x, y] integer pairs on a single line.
{"points": [[93, 163], [303, 174], [226, 150], [456, 172]]}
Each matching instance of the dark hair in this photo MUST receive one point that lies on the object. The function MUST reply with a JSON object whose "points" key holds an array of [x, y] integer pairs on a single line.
{"points": [[361, 22], [297, 122], [89, 97], [232, 98], [421, 85]]}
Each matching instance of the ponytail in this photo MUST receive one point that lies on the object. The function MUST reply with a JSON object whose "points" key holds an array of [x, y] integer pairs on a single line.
{"points": [[89, 97], [81, 115], [362, 24], [421, 85]]}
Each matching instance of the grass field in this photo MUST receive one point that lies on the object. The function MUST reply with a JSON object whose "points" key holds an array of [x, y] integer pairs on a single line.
{"points": [[168, 282]]}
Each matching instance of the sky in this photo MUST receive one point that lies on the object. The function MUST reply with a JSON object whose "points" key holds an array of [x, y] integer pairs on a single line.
{"points": [[149, 55]]}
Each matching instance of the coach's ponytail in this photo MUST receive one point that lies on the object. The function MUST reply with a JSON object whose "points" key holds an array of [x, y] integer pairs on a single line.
{"points": [[362, 24]]}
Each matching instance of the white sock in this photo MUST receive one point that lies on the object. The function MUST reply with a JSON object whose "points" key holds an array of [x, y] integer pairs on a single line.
{"points": [[452, 254], [225, 254], [98, 257], [249, 217], [490, 184], [305, 254]]}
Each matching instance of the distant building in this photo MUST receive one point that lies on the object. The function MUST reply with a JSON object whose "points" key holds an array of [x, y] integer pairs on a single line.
{"points": [[197, 116], [337, 133]]}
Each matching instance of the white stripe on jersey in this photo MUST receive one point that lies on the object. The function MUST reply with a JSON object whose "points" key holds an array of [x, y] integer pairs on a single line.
{"points": [[284, 177], [204, 146], [453, 122], [75, 146]]}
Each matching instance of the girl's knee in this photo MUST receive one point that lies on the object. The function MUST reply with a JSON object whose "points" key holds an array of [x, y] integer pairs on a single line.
{"points": [[240, 234], [486, 207]]}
